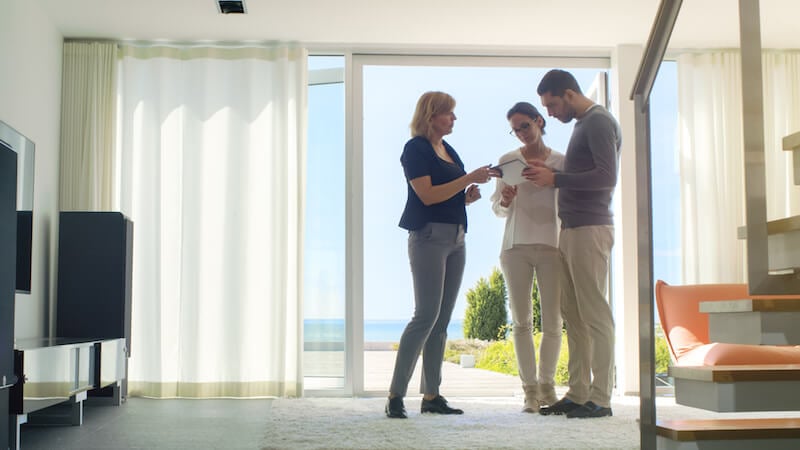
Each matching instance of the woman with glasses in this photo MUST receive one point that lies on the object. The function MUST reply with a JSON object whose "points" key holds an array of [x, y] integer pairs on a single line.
{"points": [[435, 216], [530, 249]]}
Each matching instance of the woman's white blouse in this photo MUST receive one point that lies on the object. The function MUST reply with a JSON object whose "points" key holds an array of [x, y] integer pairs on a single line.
{"points": [[531, 218]]}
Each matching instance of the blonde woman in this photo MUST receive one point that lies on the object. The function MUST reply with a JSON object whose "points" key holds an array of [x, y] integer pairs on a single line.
{"points": [[435, 216]]}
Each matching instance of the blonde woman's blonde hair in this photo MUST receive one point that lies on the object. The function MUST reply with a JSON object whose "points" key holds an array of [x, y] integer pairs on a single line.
{"points": [[428, 105]]}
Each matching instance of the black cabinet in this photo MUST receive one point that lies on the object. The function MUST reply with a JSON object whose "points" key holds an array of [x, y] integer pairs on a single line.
{"points": [[94, 276], [8, 245]]}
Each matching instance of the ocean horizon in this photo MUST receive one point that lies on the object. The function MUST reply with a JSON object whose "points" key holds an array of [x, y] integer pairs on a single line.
{"points": [[332, 330]]}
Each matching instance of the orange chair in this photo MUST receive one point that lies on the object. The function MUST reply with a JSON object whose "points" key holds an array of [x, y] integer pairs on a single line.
{"points": [[686, 328]]}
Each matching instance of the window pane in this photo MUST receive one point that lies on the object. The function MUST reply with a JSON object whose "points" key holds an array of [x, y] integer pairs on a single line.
{"points": [[324, 256], [483, 96], [665, 175]]}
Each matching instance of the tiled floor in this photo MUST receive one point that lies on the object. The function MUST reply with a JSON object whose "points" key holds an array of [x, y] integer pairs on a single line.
{"points": [[225, 423], [152, 424]]}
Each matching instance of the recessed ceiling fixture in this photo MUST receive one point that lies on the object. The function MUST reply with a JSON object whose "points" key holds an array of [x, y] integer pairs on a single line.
{"points": [[231, 7]]}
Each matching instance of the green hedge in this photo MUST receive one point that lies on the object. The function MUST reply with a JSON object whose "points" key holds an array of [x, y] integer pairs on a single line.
{"points": [[499, 356]]}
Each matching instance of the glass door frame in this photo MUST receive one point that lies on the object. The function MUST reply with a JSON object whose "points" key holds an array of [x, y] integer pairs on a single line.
{"points": [[354, 164]]}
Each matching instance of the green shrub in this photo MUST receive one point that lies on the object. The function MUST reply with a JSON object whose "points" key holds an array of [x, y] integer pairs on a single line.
{"points": [[562, 374], [454, 349], [499, 356], [663, 359], [486, 317]]}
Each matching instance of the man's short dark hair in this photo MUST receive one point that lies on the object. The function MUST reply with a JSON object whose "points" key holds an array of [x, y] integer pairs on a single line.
{"points": [[556, 82]]}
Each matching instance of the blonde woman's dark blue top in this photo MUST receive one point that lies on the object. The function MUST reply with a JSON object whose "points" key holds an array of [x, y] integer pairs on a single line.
{"points": [[419, 159]]}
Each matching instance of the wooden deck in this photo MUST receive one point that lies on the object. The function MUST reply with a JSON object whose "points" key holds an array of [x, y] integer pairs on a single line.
{"points": [[456, 381], [379, 364]]}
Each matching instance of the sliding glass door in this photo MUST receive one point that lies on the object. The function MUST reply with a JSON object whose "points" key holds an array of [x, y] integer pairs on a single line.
{"points": [[386, 89], [357, 291]]}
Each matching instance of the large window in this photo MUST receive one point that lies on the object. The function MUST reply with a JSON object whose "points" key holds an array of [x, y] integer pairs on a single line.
{"points": [[324, 264], [356, 265], [484, 91], [665, 175]]}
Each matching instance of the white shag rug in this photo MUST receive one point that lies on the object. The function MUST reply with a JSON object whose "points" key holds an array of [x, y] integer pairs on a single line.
{"points": [[487, 423]]}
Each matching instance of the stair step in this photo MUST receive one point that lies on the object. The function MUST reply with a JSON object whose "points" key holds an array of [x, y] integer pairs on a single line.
{"points": [[731, 374], [767, 320], [730, 434], [769, 387], [782, 226], [792, 141], [774, 227], [783, 241]]}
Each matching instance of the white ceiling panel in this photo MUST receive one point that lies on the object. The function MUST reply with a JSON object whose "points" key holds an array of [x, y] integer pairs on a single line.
{"points": [[417, 23]]}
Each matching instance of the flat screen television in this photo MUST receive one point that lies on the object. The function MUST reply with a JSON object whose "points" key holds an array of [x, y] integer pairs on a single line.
{"points": [[16, 141]]}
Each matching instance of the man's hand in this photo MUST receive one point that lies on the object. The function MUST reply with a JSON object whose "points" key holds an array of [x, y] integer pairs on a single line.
{"points": [[539, 174]]}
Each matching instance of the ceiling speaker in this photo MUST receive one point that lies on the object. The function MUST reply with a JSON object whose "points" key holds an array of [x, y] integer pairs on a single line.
{"points": [[231, 7]]}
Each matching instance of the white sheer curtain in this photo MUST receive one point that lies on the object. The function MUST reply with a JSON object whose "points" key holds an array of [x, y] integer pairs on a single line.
{"points": [[213, 164], [87, 156], [781, 117], [712, 157]]}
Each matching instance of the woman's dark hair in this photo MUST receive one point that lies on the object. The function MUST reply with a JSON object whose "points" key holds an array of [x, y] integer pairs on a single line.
{"points": [[527, 109]]}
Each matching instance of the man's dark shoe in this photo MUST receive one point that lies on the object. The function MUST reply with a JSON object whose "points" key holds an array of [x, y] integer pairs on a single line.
{"points": [[438, 405], [589, 410], [563, 406], [395, 408]]}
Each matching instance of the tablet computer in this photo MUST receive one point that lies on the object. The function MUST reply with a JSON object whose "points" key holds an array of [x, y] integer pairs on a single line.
{"points": [[512, 171]]}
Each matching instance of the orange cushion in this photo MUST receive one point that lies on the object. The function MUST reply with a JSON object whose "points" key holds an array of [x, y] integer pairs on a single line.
{"points": [[722, 354], [685, 327]]}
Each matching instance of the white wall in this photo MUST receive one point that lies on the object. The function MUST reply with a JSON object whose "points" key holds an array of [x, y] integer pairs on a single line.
{"points": [[30, 101], [625, 60]]}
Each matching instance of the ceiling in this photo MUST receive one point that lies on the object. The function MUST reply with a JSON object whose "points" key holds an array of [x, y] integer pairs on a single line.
{"points": [[522, 24]]}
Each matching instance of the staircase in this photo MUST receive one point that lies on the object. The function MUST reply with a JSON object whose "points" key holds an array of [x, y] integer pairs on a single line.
{"points": [[783, 235], [740, 388], [792, 143], [747, 388]]}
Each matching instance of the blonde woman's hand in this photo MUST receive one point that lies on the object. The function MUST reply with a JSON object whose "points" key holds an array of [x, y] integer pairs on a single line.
{"points": [[481, 174], [473, 193]]}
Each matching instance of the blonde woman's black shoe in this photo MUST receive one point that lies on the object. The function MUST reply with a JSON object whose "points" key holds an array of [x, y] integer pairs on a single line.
{"points": [[438, 405], [395, 408]]}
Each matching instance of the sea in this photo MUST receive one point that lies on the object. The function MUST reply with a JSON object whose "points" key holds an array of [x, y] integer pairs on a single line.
{"points": [[332, 330]]}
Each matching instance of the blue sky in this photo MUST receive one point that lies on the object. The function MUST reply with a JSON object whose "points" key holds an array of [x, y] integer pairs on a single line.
{"points": [[480, 136]]}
